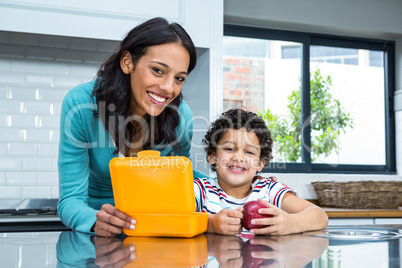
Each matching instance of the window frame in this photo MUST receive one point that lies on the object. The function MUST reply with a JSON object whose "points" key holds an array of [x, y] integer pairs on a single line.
{"points": [[313, 39]]}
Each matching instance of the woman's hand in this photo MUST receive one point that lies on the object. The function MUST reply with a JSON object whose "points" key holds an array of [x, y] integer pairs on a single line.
{"points": [[226, 222], [111, 221], [280, 223], [110, 253]]}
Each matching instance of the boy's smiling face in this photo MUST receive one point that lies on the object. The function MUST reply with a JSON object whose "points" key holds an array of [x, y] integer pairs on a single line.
{"points": [[237, 160]]}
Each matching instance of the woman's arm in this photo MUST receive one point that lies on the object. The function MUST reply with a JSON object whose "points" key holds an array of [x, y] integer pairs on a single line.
{"points": [[77, 128], [73, 166]]}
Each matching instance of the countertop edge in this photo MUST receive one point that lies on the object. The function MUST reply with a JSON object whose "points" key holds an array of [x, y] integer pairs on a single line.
{"points": [[359, 213], [362, 213]]}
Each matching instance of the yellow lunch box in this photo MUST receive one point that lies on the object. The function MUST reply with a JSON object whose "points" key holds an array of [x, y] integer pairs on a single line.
{"points": [[158, 193]]}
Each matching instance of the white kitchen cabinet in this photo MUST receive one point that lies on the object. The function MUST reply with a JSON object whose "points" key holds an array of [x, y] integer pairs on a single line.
{"points": [[109, 19]]}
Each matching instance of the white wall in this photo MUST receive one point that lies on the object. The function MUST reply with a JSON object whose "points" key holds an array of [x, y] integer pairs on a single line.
{"points": [[360, 18]]}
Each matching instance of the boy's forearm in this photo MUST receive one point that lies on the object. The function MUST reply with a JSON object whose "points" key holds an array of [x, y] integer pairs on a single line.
{"points": [[311, 218], [210, 228]]}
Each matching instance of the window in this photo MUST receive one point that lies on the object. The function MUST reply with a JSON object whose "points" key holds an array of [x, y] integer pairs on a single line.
{"points": [[326, 99]]}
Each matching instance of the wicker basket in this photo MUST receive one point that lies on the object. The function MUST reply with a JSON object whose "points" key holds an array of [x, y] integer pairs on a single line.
{"points": [[359, 194]]}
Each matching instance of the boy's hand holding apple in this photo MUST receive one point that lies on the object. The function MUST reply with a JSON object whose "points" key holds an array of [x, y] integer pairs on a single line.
{"points": [[265, 218], [252, 212]]}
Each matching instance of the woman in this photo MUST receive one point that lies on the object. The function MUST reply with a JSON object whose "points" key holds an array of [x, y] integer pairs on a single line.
{"points": [[134, 104]]}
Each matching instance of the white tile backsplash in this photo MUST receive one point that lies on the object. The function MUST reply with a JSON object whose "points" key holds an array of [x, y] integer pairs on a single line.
{"points": [[49, 122], [48, 178], [37, 135], [55, 166], [51, 150], [51, 95], [37, 163], [10, 163], [3, 92], [3, 120], [84, 70], [36, 192], [55, 136], [3, 149], [8, 78], [22, 149], [68, 81], [21, 178], [35, 79], [21, 93], [38, 108], [36, 71], [51, 67], [10, 107], [22, 65], [11, 135], [22, 121], [2, 177], [10, 191], [55, 192]]}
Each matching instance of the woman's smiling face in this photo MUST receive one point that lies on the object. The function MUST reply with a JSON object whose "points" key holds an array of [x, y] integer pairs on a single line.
{"points": [[237, 160], [157, 78]]}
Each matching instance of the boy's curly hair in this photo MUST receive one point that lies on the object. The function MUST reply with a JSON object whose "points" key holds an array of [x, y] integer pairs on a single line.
{"points": [[238, 118]]}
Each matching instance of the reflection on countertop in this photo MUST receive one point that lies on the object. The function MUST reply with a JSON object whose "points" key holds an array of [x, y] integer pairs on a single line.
{"points": [[210, 250], [74, 249]]}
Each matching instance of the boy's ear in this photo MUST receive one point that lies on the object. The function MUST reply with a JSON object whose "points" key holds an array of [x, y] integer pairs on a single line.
{"points": [[126, 62], [211, 158], [261, 165]]}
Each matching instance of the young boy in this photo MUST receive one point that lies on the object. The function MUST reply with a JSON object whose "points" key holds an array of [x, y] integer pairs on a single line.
{"points": [[238, 145]]}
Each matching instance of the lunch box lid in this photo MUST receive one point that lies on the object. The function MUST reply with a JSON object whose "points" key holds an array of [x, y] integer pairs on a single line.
{"points": [[153, 184]]}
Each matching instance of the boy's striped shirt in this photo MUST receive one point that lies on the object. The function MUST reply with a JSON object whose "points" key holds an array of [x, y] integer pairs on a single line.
{"points": [[211, 198]]}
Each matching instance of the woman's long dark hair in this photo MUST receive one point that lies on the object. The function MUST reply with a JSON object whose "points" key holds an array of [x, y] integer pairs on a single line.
{"points": [[112, 90]]}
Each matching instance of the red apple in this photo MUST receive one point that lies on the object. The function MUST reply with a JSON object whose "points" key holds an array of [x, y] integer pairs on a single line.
{"points": [[249, 261], [251, 212]]}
